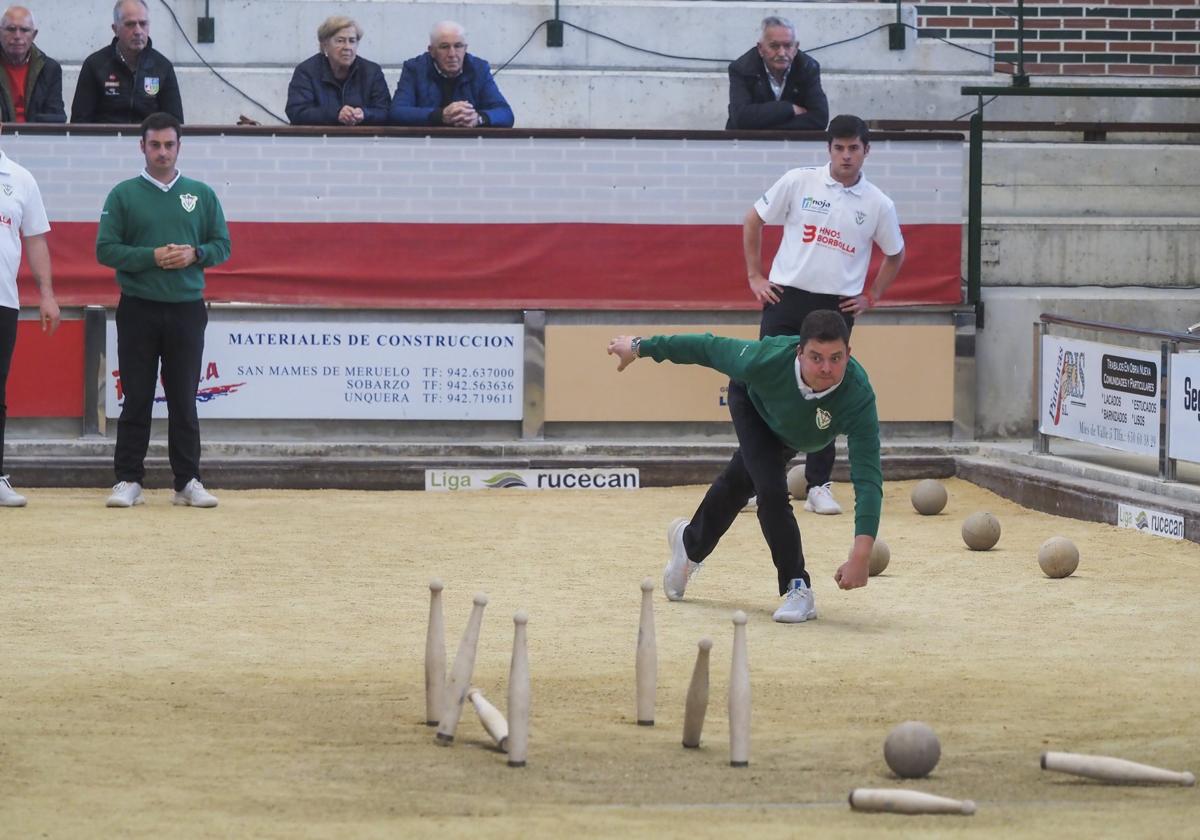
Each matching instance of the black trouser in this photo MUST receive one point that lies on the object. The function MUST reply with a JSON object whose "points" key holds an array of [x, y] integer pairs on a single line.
{"points": [[758, 467], [784, 318], [8, 341], [148, 331]]}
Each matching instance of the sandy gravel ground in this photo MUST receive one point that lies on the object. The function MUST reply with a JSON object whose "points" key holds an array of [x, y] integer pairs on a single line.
{"points": [[256, 670]]}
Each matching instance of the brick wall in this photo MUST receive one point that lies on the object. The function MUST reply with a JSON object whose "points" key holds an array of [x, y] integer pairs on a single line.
{"points": [[1159, 38]]}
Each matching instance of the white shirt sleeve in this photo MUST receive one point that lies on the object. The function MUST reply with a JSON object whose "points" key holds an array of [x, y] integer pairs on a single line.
{"points": [[887, 229], [33, 216], [772, 206]]}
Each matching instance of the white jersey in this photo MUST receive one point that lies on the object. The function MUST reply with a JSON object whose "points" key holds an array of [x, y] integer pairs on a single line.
{"points": [[21, 212], [828, 230]]}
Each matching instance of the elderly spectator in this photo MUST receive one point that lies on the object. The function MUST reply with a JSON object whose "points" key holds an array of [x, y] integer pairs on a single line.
{"points": [[448, 86], [128, 80], [337, 86], [775, 86], [31, 84]]}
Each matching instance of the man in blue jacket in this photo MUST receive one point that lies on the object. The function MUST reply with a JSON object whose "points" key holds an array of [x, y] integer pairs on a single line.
{"points": [[446, 86]]}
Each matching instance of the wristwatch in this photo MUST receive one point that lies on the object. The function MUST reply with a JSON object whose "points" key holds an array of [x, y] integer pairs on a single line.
{"points": [[199, 253], [635, 347]]}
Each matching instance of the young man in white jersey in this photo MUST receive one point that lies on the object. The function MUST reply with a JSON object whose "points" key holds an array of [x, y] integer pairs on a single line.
{"points": [[830, 215], [22, 215]]}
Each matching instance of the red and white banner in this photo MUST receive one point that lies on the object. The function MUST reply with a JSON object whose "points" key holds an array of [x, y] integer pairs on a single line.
{"points": [[493, 223]]}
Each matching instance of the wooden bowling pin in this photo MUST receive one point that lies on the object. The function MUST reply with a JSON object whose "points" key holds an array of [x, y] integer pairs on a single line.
{"points": [[697, 697], [518, 695], [435, 656], [460, 674], [647, 658], [739, 696]]}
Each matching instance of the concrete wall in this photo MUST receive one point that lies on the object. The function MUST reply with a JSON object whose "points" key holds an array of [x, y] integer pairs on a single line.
{"points": [[590, 82]]}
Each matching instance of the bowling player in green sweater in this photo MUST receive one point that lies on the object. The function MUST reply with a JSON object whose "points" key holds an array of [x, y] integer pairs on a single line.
{"points": [[160, 230], [802, 391]]}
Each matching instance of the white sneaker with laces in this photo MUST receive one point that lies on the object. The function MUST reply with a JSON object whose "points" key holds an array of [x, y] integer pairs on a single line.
{"points": [[751, 505], [798, 604], [193, 494], [820, 500], [8, 496], [125, 494], [679, 568]]}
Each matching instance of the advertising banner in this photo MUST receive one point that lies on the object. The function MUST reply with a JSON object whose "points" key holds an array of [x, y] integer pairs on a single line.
{"points": [[1183, 405], [1100, 393], [270, 369], [602, 478]]}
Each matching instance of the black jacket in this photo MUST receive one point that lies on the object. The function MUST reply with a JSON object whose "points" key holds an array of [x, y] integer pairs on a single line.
{"points": [[315, 97], [752, 104], [109, 93], [43, 91]]}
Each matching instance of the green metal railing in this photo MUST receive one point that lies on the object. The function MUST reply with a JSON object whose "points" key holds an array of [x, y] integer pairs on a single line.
{"points": [[975, 159]]}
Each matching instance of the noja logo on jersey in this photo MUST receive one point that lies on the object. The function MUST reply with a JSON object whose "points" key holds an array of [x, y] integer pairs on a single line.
{"points": [[815, 205]]}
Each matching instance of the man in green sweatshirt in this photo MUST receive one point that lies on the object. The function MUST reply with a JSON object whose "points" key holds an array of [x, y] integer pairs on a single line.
{"points": [[160, 231], [801, 392]]}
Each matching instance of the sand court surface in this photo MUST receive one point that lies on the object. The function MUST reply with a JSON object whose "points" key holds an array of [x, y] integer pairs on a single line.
{"points": [[257, 670]]}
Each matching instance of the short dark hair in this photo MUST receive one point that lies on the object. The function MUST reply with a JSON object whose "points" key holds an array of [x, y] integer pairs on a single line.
{"points": [[848, 125], [824, 325], [159, 121]]}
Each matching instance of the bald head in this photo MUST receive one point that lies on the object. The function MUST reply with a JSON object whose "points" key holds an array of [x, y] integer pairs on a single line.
{"points": [[448, 46], [17, 31]]}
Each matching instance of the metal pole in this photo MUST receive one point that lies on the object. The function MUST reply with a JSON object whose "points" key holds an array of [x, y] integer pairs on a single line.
{"points": [[1041, 442], [533, 411], [1167, 466], [975, 215], [896, 30], [1020, 79], [94, 339]]}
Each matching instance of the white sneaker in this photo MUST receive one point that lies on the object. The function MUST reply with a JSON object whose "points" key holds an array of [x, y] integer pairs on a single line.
{"points": [[125, 494], [8, 496], [751, 505], [193, 494], [820, 500], [679, 568], [798, 604]]}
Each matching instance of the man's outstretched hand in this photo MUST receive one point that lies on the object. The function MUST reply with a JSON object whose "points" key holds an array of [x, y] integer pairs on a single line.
{"points": [[622, 348]]}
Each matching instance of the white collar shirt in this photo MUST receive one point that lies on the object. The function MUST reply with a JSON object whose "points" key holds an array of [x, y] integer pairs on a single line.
{"points": [[828, 230], [21, 214]]}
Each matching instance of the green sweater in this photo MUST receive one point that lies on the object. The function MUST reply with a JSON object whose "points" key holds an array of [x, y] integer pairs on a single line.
{"points": [[139, 217], [768, 368]]}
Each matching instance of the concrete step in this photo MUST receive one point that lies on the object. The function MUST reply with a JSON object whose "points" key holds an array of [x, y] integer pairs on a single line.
{"points": [[1085, 180], [1163, 252]]}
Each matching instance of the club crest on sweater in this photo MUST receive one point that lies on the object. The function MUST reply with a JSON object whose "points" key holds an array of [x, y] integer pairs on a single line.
{"points": [[824, 418], [188, 201]]}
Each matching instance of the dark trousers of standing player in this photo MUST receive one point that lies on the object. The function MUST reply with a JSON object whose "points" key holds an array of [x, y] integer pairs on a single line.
{"points": [[784, 318], [149, 331], [759, 466], [8, 341]]}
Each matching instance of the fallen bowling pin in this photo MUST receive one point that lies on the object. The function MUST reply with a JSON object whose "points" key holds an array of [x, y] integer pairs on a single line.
{"points": [[900, 801], [491, 718], [1109, 769]]}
